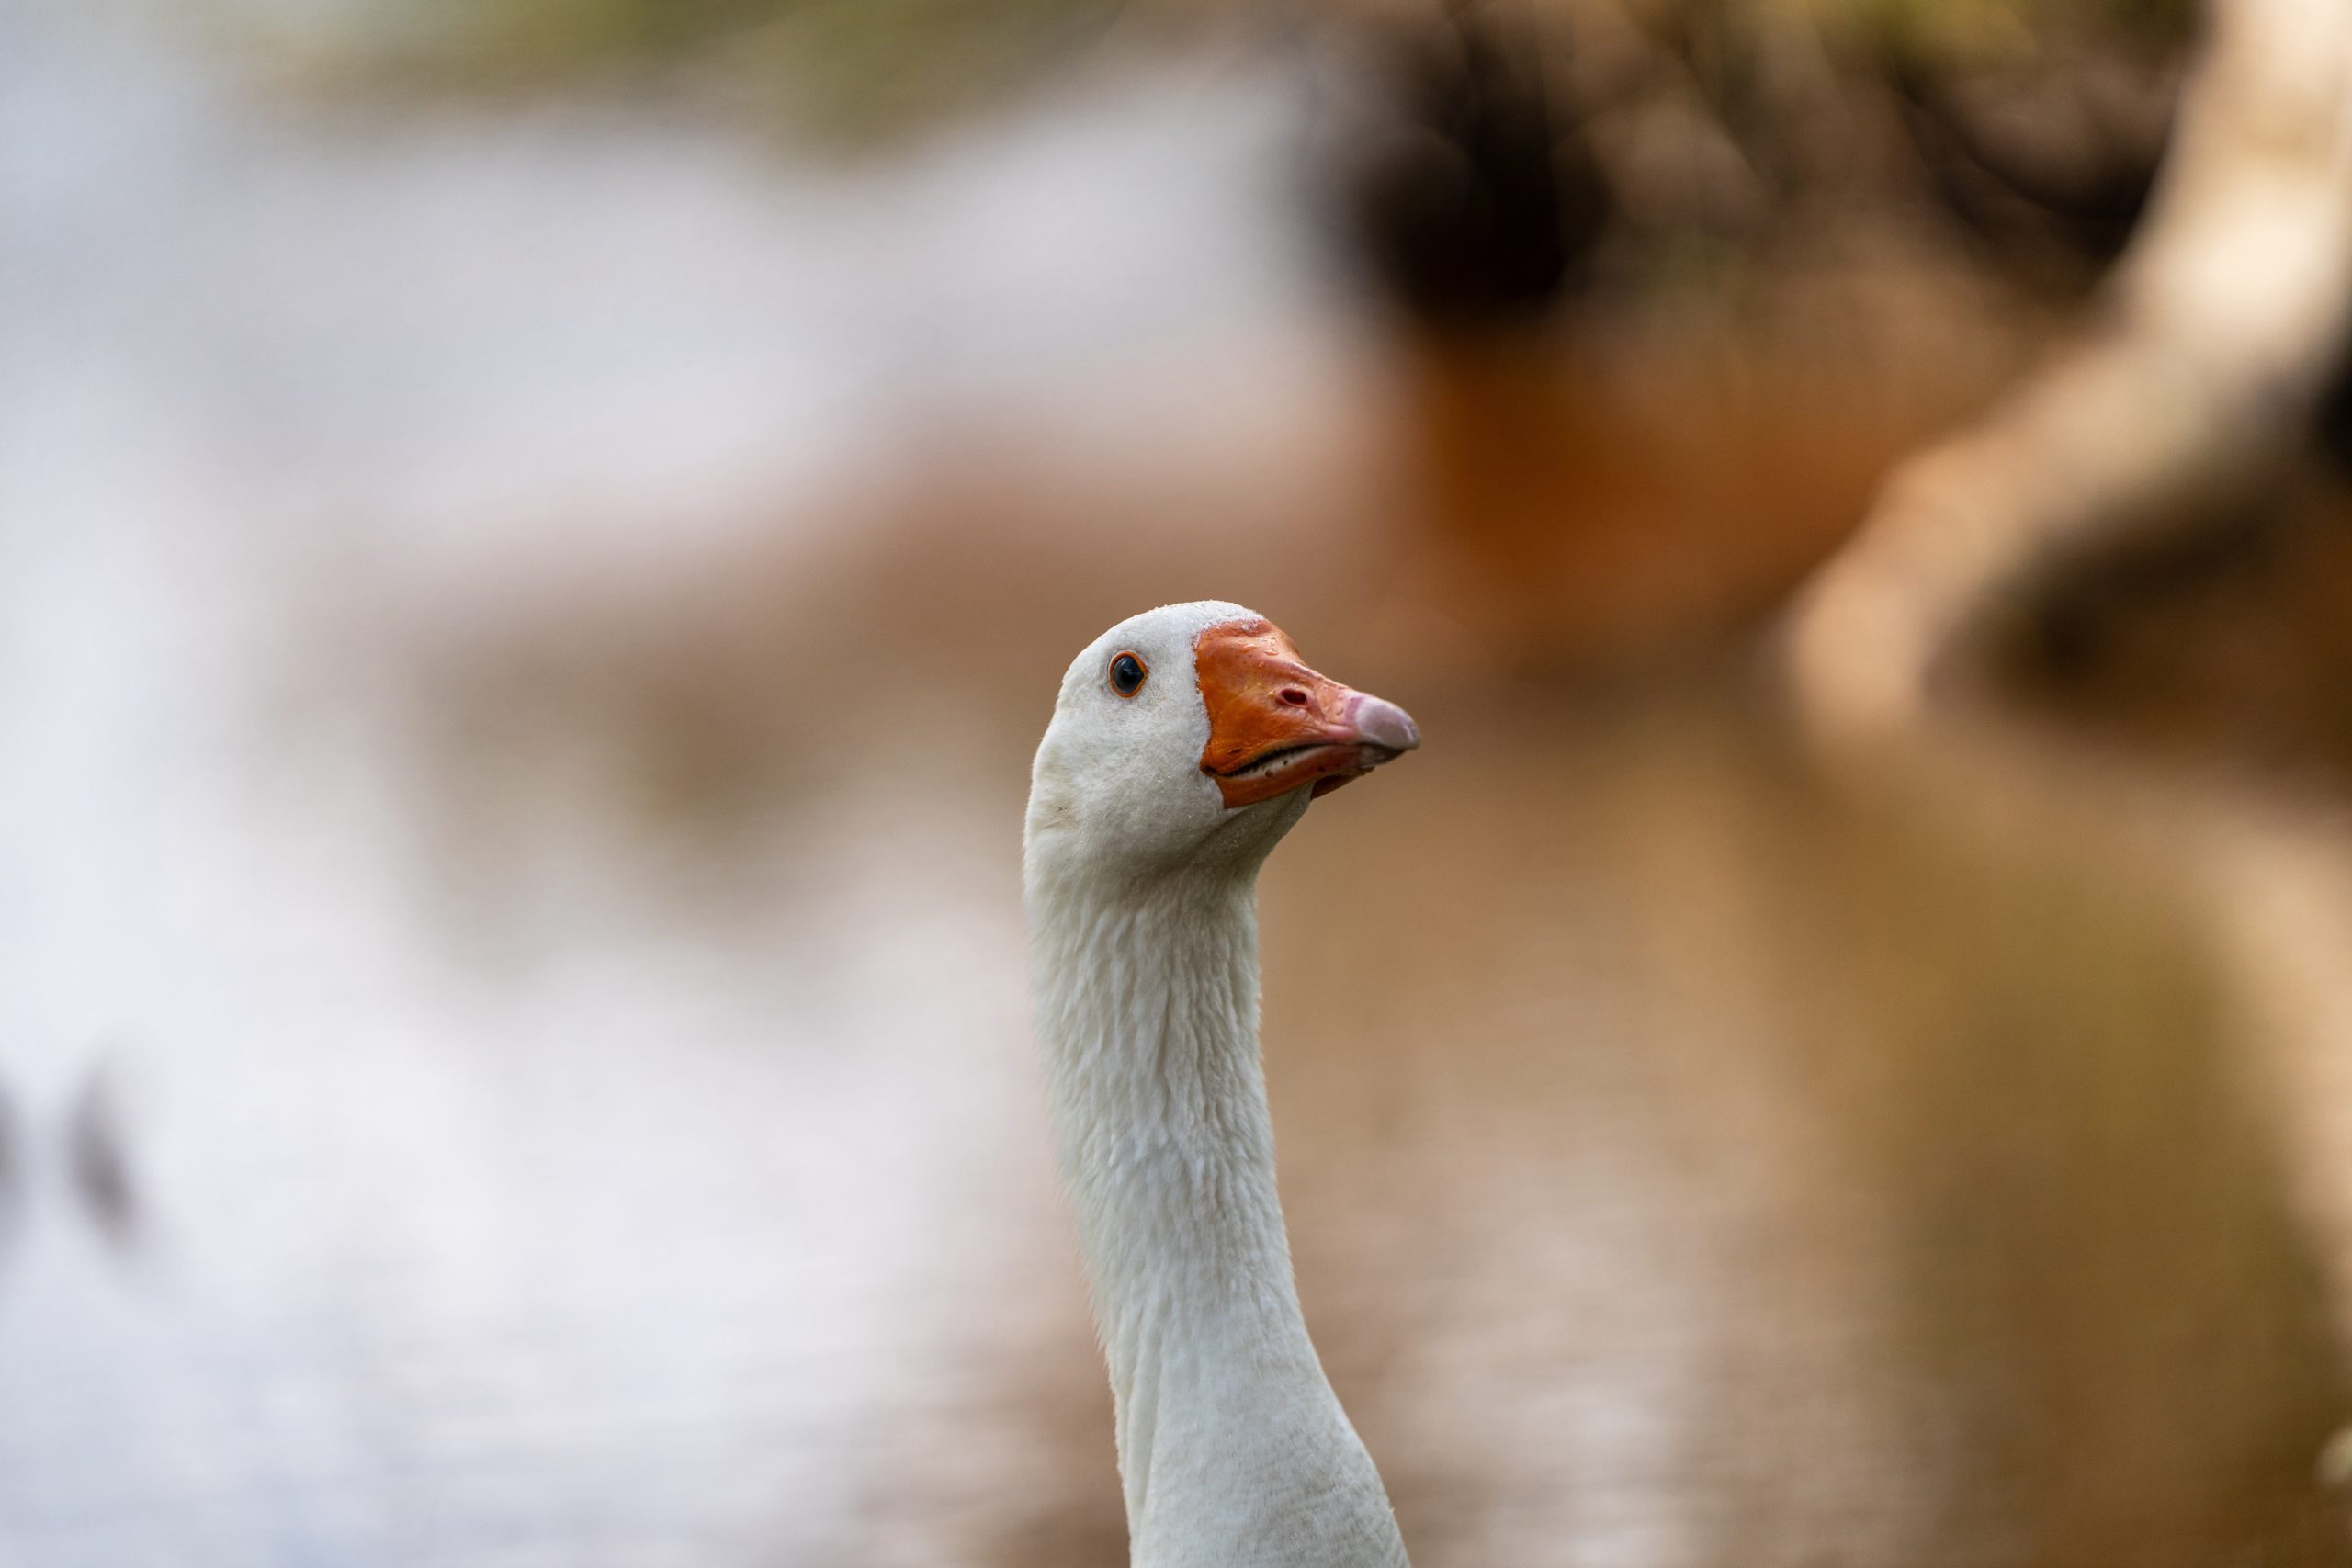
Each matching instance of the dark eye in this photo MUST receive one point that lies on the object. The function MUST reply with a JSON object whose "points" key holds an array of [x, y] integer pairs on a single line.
{"points": [[1126, 674]]}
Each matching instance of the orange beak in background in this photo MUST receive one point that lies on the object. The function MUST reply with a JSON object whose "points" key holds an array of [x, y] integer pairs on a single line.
{"points": [[1274, 724]]}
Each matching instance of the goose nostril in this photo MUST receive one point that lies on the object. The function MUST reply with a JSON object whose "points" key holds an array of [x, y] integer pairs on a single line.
{"points": [[1293, 695]]}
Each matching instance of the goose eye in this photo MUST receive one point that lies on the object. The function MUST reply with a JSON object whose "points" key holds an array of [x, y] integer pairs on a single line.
{"points": [[1126, 674]]}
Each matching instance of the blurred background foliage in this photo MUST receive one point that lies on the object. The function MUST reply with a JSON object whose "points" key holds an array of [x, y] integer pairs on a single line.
{"points": [[1695, 119]]}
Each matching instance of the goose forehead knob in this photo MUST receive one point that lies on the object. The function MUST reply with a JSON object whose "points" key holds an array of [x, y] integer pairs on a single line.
{"points": [[1275, 723]]}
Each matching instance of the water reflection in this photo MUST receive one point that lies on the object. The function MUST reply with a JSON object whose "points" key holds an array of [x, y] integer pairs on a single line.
{"points": [[1715, 1174]]}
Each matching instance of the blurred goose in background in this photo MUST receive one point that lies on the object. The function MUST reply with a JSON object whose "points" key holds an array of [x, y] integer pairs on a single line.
{"points": [[1186, 743]]}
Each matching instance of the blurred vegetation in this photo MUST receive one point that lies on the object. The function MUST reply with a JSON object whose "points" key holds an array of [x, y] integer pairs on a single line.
{"points": [[844, 72], [1952, 31], [1591, 147], [1506, 159], [851, 70]]}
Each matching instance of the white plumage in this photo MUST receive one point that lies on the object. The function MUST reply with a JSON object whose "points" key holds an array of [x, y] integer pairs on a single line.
{"points": [[1141, 888]]}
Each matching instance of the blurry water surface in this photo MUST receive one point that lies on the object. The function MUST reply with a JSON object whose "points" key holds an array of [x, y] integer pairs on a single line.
{"points": [[521, 638]]}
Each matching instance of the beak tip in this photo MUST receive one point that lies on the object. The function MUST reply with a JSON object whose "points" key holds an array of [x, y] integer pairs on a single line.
{"points": [[1384, 724]]}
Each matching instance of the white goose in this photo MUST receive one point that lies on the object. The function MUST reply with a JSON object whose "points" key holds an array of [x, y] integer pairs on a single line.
{"points": [[1186, 743]]}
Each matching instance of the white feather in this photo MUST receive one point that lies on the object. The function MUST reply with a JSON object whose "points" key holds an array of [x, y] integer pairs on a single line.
{"points": [[1142, 898]]}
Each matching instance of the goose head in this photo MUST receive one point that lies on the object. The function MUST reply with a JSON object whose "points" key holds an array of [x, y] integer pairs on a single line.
{"points": [[1195, 735]]}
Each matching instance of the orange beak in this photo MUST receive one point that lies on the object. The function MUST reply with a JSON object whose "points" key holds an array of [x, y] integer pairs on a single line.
{"points": [[1274, 724]]}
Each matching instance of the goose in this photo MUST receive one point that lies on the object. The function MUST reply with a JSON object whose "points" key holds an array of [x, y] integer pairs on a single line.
{"points": [[1185, 742]]}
